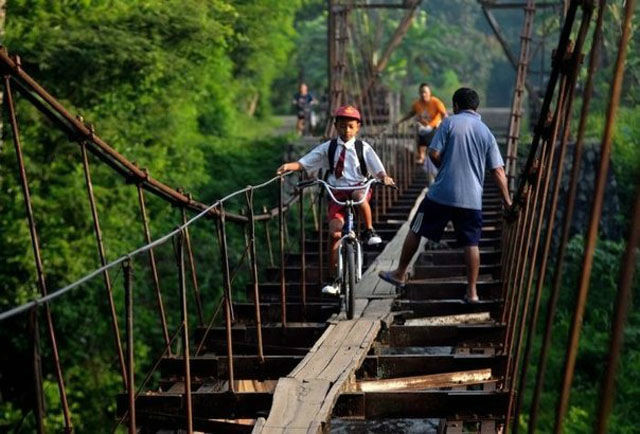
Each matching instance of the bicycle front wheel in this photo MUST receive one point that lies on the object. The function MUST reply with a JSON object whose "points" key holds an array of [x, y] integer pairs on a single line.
{"points": [[350, 281]]}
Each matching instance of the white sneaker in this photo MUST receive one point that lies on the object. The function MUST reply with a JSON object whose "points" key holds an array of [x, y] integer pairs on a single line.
{"points": [[371, 238], [332, 289]]}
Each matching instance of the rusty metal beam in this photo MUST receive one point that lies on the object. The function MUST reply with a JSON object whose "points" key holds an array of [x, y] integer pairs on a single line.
{"points": [[244, 366], [77, 130], [623, 302], [423, 336], [594, 220], [472, 405], [295, 334], [205, 404], [492, 4]]}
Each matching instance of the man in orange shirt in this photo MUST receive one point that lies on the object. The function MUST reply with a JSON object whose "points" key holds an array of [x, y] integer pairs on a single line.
{"points": [[428, 112]]}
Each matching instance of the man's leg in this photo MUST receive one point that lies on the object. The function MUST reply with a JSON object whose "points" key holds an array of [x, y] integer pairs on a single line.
{"points": [[468, 224], [472, 259], [409, 248]]}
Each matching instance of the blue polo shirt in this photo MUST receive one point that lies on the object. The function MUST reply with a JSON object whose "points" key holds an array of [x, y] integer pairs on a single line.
{"points": [[466, 148]]}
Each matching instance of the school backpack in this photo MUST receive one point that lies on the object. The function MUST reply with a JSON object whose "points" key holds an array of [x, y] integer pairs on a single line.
{"points": [[359, 152]]}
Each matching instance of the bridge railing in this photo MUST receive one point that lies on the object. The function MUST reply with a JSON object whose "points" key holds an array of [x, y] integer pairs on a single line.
{"points": [[528, 237], [245, 238]]}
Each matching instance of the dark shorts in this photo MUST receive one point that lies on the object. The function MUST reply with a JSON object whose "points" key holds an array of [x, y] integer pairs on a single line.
{"points": [[424, 139], [432, 218]]}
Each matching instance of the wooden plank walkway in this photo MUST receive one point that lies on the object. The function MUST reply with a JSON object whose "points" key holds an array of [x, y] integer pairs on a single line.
{"points": [[303, 401]]}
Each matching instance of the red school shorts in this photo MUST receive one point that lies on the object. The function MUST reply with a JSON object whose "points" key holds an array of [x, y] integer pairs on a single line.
{"points": [[336, 211]]}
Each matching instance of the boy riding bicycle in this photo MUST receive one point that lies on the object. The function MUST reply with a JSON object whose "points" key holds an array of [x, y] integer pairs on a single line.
{"points": [[348, 162]]}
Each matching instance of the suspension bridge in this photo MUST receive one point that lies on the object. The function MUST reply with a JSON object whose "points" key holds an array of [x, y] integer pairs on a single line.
{"points": [[276, 355]]}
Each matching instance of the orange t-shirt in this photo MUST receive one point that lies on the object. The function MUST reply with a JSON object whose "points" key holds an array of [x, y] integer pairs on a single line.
{"points": [[429, 113]]}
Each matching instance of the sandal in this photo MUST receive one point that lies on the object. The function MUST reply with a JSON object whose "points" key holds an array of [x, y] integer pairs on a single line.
{"points": [[387, 277]]}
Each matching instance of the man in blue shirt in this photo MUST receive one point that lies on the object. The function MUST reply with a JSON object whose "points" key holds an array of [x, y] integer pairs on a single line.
{"points": [[462, 148]]}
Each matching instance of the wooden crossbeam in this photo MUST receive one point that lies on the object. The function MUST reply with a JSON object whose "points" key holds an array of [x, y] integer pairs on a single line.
{"points": [[448, 379]]}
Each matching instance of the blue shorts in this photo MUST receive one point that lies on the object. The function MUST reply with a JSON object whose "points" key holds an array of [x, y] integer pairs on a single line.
{"points": [[432, 217]]}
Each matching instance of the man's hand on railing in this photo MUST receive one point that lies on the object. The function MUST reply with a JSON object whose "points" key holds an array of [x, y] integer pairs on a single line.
{"points": [[510, 213]]}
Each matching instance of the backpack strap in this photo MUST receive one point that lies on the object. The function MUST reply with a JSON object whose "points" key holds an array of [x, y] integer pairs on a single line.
{"points": [[360, 153], [333, 145]]}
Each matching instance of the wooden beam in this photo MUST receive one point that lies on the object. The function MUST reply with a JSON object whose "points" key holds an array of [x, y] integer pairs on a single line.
{"points": [[432, 381]]}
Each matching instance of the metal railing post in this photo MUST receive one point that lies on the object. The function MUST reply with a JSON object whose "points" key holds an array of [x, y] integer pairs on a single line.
{"points": [[37, 371], [184, 314], [281, 224], [594, 220], [103, 261], [321, 230], [303, 259], [153, 267], [623, 302], [254, 272], [128, 303], [224, 256], [35, 244], [566, 220], [192, 267], [267, 233]]}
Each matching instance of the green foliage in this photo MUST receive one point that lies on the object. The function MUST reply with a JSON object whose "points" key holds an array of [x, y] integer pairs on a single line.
{"points": [[445, 48], [264, 37], [593, 346], [167, 84]]}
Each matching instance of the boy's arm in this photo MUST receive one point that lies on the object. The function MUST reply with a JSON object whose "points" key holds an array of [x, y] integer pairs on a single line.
{"points": [[289, 167], [386, 179], [375, 165], [313, 160]]}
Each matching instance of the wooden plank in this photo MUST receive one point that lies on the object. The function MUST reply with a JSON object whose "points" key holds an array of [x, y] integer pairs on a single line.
{"points": [[448, 379], [340, 385], [318, 360], [349, 350], [304, 401], [304, 397], [469, 318], [378, 308]]}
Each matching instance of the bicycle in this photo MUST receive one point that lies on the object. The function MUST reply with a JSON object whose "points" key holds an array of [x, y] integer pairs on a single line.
{"points": [[350, 258]]}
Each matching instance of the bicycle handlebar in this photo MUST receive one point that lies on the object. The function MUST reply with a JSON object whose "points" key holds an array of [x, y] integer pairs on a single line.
{"points": [[366, 186]]}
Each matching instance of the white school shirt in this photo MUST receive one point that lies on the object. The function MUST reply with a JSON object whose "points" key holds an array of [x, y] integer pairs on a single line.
{"points": [[317, 159]]}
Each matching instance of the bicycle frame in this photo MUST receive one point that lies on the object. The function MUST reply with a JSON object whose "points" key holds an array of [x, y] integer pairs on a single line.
{"points": [[348, 233], [349, 236]]}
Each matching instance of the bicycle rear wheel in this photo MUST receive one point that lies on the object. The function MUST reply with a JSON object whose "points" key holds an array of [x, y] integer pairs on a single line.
{"points": [[350, 281]]}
